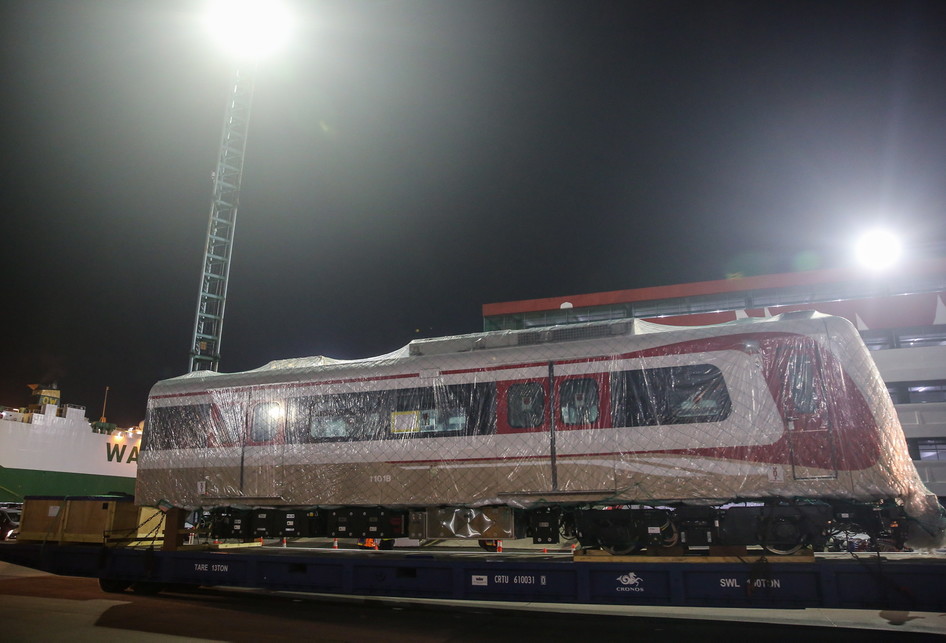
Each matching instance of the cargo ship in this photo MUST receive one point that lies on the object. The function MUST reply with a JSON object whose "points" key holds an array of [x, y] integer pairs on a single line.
{"points": [[50, 448]]}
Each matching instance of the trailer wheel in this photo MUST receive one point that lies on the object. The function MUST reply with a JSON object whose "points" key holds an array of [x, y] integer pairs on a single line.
{"points": [[146, 588], [113, 585], [783, 550], [622, 549], [784, 536]]}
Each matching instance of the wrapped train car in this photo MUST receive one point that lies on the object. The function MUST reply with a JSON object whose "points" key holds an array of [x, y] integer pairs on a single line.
{"points": [[623, 434]]}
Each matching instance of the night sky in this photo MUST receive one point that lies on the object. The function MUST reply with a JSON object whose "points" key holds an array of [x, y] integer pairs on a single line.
{"points": [[411, 160]]}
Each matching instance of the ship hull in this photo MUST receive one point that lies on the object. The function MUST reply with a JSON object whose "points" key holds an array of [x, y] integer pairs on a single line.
{"points": [[64, 458], [15, 484]]}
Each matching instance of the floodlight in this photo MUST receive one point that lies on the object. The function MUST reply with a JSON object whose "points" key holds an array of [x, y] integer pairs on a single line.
{"points": [[248, 28], [878, 249]]}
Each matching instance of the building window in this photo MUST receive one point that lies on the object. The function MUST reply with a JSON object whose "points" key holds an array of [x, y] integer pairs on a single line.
{"points": [[917, 392], [927, 449], [877, 340], [923, 393], [918, 337]]}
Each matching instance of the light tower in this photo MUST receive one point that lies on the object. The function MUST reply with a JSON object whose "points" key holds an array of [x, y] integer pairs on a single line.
{"points": [[249, 29]]}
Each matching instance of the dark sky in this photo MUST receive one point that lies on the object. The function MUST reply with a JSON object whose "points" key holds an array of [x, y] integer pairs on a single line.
{"points": [[411, 160]]}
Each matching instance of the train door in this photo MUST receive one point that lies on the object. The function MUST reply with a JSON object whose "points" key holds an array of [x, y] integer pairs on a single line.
{"points": [[556, 423], [262, 450], [806, 410], [523, 415], [583, 458]]}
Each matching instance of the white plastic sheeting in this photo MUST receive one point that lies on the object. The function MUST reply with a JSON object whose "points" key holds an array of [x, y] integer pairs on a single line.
{"points": [[606, 413]]}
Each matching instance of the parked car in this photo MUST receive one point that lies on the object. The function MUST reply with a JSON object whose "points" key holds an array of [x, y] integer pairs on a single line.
{"points": [[9, 521]]}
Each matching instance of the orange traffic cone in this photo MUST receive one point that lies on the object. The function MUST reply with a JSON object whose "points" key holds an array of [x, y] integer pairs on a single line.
{"points": [[284, 542], [499, 546], [334, 543]]}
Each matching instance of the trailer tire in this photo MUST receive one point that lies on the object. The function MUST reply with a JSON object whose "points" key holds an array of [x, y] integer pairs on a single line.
{"points": [[113, 585], [146, 588]]}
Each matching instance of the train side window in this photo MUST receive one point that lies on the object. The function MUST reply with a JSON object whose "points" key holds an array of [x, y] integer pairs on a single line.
{"points": [[525, 405], [331, 417], [670, 395], [444, 410], [335, 418], [696, 394], [428, 411], [454, 409], [178, 427], [481, 402], [578, 400], [331, 427], [265, 421]]}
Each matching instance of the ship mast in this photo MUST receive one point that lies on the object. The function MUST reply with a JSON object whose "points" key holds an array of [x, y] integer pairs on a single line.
{"points": [[104, 403]]}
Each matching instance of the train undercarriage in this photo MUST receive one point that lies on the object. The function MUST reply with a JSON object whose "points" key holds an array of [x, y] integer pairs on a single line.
{"points": [[780, 527]]}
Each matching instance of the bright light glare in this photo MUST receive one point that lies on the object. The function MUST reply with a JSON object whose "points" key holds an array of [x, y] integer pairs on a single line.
{"points": [[248, 28], [878, 249]]}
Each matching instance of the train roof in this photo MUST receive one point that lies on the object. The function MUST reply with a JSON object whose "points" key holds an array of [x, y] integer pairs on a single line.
{"points": [[279, 370], [573, 332]]}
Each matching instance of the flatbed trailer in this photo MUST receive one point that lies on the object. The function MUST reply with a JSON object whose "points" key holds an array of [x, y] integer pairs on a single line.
{"points": [[852, 581]]}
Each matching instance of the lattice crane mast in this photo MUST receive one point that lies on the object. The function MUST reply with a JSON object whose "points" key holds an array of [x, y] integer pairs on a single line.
{"points": [[212, 300]]}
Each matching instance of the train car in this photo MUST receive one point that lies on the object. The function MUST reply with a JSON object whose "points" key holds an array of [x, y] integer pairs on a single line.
{"points": [[622, 434]]}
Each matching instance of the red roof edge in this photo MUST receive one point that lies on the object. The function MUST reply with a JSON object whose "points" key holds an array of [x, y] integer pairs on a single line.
{"points": [[656, 293]]}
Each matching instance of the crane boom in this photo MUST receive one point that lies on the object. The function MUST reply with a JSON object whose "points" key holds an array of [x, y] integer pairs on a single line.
{"points": [[212, 299]]}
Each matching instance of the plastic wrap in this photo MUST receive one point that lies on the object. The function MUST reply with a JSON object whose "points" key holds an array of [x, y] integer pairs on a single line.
{"points": [[599, 414]]}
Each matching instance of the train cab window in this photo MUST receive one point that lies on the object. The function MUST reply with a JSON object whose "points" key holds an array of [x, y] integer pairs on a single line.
{"points": [[800, 382], [265, 421], [525, 405], [579, 401]]}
